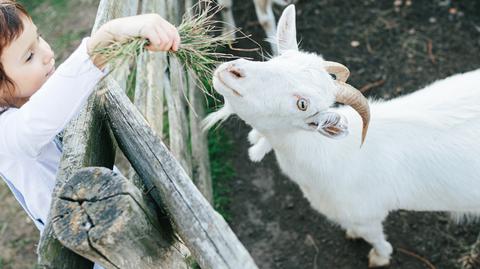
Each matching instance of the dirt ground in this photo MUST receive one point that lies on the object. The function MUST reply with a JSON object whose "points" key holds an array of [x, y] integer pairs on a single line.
{"points": [[392, 48]]}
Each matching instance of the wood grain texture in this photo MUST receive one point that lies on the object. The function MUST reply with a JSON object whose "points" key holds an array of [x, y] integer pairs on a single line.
{"points": [[103, 216], [201, 174], [86, 142], [203, 230]]}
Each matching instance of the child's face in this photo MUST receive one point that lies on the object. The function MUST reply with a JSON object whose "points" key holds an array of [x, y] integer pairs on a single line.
{"points": [[28, 61]]}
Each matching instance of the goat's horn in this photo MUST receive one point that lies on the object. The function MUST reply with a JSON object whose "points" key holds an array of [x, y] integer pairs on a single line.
{"points": [[348, 95], [340, 71]]}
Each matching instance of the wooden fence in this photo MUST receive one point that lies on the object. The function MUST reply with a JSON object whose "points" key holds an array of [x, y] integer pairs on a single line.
{"points": [[156, 217]]}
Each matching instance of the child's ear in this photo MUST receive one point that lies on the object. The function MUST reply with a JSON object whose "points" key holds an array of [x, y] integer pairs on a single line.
{"points": [[331, 124], [287, 31]]}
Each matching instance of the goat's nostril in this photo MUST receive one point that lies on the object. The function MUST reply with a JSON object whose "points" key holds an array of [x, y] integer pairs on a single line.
{"points": [[236, 72]]}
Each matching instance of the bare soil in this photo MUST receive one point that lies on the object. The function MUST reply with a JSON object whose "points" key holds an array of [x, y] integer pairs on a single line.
{"points": [[391, 50]]}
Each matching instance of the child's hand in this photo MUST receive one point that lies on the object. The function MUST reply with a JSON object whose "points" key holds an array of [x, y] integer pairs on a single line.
{"points": [[162, 35]]}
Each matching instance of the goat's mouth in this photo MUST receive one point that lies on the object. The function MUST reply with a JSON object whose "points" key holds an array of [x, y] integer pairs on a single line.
{"points": [[235, 92], [311, 122]]}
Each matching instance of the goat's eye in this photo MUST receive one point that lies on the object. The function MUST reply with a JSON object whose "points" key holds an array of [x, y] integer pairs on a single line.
{"points": [[302, 104]]}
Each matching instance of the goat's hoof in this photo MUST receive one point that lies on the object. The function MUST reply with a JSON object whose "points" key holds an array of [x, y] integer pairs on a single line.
{"points": [[351, 235], [376, 260], [469, 261]]}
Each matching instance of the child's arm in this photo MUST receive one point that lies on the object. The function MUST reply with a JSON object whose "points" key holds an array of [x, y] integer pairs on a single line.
{"points": [[162, 35], [25, 131]]}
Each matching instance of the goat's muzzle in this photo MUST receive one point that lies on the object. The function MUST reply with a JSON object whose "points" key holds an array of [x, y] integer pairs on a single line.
{"points": [[229, 70]]}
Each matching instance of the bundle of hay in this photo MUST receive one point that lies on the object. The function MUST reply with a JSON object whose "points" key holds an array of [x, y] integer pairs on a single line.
{"points": [[198, 52]]}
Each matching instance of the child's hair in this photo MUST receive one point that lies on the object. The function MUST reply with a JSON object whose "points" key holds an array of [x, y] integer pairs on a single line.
{"points": [[11, 27]]}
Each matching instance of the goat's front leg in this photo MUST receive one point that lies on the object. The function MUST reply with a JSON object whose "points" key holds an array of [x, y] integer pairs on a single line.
{"points": [[352, 235], [260, 146], [265, 16], [259, 150], [372, 232], [254, 136]]}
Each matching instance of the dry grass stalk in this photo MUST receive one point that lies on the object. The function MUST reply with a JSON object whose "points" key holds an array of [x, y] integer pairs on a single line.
{"points": [[198, 51]]}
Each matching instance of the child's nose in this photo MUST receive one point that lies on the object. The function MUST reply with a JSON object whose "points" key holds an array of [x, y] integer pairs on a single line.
{"points": [[48, 56]]}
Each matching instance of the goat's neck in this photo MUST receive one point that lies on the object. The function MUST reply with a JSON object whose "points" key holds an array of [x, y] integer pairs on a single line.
{"points": [[311, 142], [310, 159], [309, 146]]}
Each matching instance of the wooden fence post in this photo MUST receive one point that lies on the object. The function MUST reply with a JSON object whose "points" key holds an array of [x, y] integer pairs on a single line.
{"points": [[175, 96], [103, 216], [204, 231], [87, 142], [201, 173]]}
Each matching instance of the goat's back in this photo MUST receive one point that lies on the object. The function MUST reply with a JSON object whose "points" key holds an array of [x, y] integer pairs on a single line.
{"points": [[425, 146], [444, 103]]}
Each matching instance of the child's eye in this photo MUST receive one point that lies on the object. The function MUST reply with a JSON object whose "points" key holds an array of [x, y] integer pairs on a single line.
{"points": [[30, 57]]}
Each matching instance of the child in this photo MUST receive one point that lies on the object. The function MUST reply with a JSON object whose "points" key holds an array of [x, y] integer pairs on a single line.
{"points": [[37, 102]]}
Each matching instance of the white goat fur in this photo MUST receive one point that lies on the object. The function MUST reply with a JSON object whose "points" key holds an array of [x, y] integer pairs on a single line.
{"points": [[422, 150]]}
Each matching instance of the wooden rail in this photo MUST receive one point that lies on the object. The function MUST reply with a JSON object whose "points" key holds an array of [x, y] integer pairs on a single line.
{"points": [[203, 230]]}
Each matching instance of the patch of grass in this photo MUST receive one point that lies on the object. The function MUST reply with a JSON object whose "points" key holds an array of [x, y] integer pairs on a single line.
{"points": [[220, 150], [64, 42], [132, 82], [33, 4], [166, 126], [220, 147]]}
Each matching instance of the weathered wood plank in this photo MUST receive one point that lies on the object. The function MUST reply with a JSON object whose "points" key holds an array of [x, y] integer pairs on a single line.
{"points": [[203, 230], [200, 161], [177, 114], [102, 216], [175, 96], [110, 9], [81, 148], [198, 139], [86, 142], [151, 73], [149, 87], [175, 10]]}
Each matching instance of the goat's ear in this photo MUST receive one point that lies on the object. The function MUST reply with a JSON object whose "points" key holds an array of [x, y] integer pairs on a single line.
{"points": [[330, 124], [287, 31]]}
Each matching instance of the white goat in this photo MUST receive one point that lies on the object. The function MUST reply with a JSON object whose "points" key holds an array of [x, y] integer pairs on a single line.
{"points": [[265, 16], [422, 152]]}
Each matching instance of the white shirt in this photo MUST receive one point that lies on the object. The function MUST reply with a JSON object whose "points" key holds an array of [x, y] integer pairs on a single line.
{"points": [[29, 157]]}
